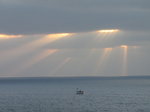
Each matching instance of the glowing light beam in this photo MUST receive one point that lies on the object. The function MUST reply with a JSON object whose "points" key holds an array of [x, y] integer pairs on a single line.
{"points": [[64, 62], [125, 56], [102, 61], [6, 36], [34, 60], [58, 36], [33, 45], [109, 31], [104, 35]]}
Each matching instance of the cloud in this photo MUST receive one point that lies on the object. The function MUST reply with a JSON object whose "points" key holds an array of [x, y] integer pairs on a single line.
{"points": [[55, 16]]}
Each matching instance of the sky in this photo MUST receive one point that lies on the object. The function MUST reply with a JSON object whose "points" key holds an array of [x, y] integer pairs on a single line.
{"points": [[74, 38]]}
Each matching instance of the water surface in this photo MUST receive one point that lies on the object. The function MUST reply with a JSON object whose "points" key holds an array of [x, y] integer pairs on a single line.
{"points": [[125, 94]]}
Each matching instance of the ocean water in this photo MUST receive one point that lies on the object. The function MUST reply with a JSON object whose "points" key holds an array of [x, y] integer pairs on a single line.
{"points": [[120, 94]]}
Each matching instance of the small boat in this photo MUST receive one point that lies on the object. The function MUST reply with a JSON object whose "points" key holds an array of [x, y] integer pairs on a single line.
{"points": [[79, 92]]}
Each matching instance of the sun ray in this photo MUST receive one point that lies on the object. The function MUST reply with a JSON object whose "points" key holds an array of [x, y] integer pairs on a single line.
{"points": [[6, 36], [33, 60], [58, 36], [41, 56], [49, 38], [108, 31], [33, 45], [125, 56], [104, 35], [60, 66], [102, 60]]}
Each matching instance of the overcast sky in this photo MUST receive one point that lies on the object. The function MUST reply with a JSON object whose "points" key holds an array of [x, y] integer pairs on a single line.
{"points": [[74, 38]]}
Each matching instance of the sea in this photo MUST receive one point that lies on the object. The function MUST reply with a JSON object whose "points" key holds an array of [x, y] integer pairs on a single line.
{"points": [[58, 94]]}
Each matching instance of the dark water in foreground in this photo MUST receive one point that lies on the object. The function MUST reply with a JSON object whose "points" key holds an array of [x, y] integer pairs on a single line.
{"points": [[58, 94]]}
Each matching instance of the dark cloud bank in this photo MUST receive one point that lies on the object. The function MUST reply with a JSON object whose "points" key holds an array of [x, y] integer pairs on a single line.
{"points": [[54, 16]]}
